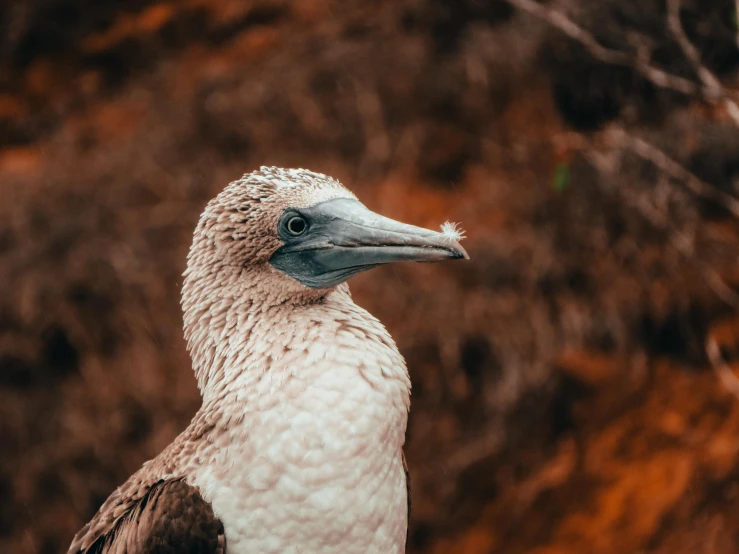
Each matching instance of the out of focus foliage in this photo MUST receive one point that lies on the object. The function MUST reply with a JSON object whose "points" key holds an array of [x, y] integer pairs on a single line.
{"points": [[562, 401]]}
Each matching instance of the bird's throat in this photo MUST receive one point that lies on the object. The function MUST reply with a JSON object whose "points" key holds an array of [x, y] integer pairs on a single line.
{"points": [[249, 359]]}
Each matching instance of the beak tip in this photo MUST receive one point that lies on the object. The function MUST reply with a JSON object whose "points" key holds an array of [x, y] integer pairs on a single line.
{"points": [[459, 252]]}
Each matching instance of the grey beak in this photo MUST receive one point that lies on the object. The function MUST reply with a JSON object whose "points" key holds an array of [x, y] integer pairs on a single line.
{"points": [[342, 237]]}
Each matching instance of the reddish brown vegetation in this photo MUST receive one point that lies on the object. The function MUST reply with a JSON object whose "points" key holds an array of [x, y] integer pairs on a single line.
{"points": [[563, 402]]}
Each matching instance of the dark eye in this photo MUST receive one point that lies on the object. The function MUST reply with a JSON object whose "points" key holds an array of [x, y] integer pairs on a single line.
{"points": [[296, 225]]}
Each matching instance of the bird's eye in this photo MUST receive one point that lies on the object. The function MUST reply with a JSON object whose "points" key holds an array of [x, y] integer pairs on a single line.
{"points": [[296, 225]]}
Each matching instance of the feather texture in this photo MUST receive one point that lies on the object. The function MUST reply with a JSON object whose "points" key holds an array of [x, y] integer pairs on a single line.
{"points": [[298, 444]]}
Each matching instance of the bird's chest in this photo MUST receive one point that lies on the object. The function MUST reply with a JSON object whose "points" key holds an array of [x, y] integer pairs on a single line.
{"points": [[318, 472]]}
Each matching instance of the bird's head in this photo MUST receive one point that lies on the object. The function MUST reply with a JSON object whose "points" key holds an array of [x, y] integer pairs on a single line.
{"points": [[302, 233], [280, 237]]}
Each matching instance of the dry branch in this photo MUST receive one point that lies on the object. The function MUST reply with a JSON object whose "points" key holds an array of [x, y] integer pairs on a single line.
{"points": [[722, 369], [621, 140], [660, 221], [709, 87], [655, 75], [713, 90], [674, 169]]}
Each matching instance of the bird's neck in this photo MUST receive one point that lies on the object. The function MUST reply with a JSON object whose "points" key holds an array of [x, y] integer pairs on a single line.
{"points": [[250, 357]]}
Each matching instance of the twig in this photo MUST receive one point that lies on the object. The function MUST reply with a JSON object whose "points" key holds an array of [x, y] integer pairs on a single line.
{"points": [[709, 80], [712, 278], [713, 90], [661, 160], [722, 369], [708, 87], [653, 74]]}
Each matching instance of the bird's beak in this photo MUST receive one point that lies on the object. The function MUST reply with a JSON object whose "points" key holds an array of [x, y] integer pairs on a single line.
{"points": [[343, 237]]}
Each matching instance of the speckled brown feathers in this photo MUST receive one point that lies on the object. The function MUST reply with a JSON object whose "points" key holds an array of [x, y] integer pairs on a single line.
{"points": [[170, 518], [130, 516]]}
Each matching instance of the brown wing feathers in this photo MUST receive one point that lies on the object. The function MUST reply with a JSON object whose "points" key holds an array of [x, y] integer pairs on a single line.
{"points": [[170, 518]]}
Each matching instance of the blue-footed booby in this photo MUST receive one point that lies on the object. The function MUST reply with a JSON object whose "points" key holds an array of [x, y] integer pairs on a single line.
{"points": [[298, 445]]}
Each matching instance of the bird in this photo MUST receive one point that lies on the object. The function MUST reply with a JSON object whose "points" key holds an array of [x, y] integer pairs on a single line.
{"points": [[298, 444]]}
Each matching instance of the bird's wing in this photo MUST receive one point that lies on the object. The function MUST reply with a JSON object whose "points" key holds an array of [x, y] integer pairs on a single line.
{"points": [[166, 516], [408, 492]]}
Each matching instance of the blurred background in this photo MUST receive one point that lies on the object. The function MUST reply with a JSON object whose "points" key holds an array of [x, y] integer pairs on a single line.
{"points": [[572, 384]]}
